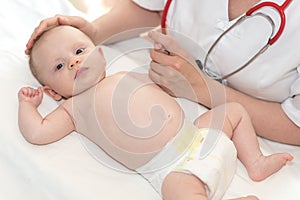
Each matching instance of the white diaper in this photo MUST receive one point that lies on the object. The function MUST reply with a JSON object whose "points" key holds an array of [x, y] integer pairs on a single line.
{"points": [[206, 153]]}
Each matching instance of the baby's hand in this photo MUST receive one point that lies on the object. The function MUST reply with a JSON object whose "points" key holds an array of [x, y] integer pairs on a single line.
{"points": [[31, 95]]}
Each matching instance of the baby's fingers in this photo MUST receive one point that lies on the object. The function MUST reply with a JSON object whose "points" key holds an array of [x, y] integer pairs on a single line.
{"points": [[27, 92], [39, 92], [22, 94]]}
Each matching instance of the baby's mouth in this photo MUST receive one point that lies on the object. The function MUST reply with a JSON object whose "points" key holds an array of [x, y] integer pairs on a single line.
{"points": [[80, 71]]}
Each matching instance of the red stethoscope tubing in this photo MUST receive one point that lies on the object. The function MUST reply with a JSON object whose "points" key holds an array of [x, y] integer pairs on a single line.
{"points": [[164, 16], [280, 10]]}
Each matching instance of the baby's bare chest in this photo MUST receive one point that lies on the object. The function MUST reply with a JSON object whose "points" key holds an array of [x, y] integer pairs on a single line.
{"points": [[130, 113], [134, 99]]}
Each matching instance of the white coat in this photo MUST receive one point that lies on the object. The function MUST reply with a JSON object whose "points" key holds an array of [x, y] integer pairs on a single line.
{"points": [[273, 76]]}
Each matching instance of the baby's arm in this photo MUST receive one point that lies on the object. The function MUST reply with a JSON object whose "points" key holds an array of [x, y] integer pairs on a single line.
{"points": [[35, 128]]}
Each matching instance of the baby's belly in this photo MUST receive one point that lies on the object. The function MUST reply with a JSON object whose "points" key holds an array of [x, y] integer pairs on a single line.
{"points": [[135, 121]]}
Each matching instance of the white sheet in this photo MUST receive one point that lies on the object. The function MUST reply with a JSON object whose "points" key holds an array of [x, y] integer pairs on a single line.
{"points": [[67, 169]]}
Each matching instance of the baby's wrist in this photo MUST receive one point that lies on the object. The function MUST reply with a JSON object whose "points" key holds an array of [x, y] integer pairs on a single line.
{"points": [[24, 102]]}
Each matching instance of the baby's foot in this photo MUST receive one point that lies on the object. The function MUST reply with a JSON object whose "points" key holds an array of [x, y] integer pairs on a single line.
{"points": [[265, 166]]}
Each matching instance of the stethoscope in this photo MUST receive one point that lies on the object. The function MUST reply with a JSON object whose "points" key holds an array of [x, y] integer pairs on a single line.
{"points": [[271, 40]]}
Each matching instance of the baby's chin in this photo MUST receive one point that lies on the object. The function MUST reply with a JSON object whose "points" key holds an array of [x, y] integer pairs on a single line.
{"points": [[86, 81]]}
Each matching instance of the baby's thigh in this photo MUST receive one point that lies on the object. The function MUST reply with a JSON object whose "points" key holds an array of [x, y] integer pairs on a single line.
{"points": [[181, 186], [216, 118]]}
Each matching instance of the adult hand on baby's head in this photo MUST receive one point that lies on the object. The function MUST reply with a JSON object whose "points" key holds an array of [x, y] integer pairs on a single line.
{"points": [[48, 23], [31, 95]]}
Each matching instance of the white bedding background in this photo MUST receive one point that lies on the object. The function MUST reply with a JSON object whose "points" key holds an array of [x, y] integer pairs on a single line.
{"points": [[66, 170]]}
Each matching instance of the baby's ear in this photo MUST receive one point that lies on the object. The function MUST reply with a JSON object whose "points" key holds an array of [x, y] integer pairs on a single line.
{"points": [[50, 92]]}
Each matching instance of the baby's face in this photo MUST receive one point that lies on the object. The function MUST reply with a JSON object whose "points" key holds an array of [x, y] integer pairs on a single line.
{"points": [[67, 61]]}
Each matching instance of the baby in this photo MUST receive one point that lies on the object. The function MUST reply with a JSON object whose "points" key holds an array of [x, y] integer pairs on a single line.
{"points": [[135, 122]]}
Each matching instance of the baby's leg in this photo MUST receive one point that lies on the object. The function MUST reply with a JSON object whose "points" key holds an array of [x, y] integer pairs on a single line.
{"points": [[236, 124], [181, 186]]}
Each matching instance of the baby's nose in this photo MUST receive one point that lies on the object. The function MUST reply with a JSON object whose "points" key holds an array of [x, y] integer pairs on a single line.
{"points": [[74, 63]]}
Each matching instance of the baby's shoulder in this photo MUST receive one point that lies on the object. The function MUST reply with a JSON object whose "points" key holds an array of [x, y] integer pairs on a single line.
{"points": [[66, 105]]}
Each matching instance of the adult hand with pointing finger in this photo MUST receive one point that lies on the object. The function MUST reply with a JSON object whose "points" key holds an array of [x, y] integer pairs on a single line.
{"points": [[176, 71]]}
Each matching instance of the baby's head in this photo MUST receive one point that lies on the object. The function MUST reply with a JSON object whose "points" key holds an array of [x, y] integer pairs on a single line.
{"points": [[58, 60]]}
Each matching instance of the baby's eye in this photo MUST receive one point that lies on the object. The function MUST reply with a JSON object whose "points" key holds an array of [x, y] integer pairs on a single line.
{"points": [[79, 51], [59, 66]]}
